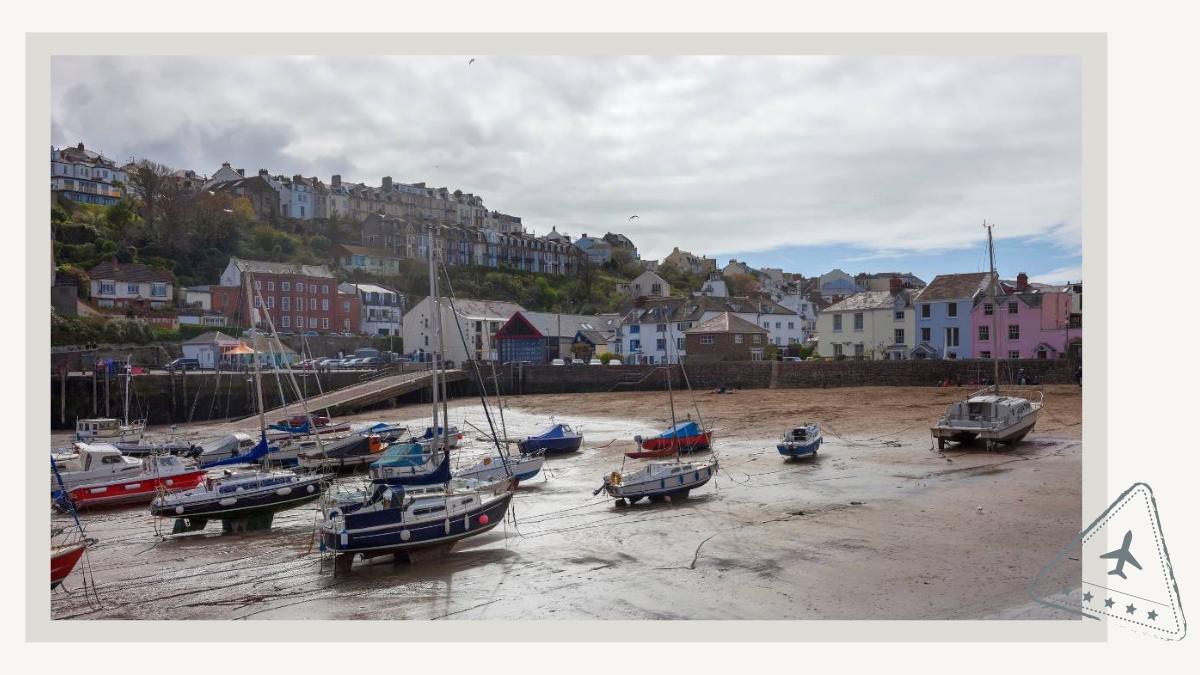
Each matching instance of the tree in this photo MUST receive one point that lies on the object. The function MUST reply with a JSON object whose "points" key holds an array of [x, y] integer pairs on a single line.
{"points": [[148, 182]]}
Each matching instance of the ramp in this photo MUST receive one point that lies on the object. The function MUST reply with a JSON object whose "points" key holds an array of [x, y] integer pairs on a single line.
{"points": [[358, 396]]}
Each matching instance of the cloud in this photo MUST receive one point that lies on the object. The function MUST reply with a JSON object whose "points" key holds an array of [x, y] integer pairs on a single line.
{"points": [[716, 154]]}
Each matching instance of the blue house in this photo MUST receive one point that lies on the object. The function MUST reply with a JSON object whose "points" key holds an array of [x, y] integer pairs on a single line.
{"points": [[944, 316]]}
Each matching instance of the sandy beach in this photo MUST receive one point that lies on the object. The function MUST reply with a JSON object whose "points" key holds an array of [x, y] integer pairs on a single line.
{"points": [[879, 525]]}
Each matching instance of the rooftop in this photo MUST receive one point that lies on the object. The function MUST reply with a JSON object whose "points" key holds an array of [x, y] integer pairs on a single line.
{"points": [[136, 272], [726, 323], [946, 287], [868, 300]]}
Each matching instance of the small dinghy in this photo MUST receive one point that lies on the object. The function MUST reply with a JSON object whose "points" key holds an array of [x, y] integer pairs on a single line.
{"points": [[490, 469], [455, 436], [803, 441], [560, 438], [658, 480], [235, 498], [683, 437]]}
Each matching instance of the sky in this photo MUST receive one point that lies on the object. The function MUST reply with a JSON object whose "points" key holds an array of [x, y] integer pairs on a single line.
{"points": [[808, 163]]}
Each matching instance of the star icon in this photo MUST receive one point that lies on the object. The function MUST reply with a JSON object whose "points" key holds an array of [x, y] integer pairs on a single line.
{"points": [[1108, 602], [1152, 615], [1130, 609], [1087, 597]]}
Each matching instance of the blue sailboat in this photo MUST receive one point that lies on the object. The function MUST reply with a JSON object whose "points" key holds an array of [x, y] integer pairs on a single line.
{"points": [[559, 438]]}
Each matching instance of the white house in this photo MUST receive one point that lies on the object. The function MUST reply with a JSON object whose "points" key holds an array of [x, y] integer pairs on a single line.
{"points": [[85, 176], [479, 320], [382, 308], [131, 285], [646, 284], [211, 348]]}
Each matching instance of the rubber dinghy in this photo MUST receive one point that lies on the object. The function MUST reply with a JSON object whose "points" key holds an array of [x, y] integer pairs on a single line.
{"points": [[686, 436]]}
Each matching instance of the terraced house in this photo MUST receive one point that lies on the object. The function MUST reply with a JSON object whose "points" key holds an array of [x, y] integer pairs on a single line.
{"points": [[873, 325], [655, 331], [943, 315], [85, 176], [1026, 321]]}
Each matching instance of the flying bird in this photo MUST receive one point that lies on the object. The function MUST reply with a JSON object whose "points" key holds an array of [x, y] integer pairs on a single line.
{"points": [[470, 62], [634, 216]]}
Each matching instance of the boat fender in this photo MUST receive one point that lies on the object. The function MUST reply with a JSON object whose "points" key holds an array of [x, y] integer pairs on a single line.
{"points": [[483, 519], [310, 489], [178, 509], [487, 461], [405, 535], [615, 478], [169, 482], [638, 439]]}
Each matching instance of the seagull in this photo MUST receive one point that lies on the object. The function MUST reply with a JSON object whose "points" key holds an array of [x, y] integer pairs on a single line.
{"points": [[634, 216], [470, 62]]}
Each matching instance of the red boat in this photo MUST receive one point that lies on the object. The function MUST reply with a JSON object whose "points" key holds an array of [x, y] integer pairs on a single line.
{"points": [[683, 437], [63, 560], [165, 471]]}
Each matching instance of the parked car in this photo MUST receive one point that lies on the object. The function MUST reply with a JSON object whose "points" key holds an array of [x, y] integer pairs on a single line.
{"points": [[184, 364], [792, 358], [374, 362], [557, 362], [311, 333], [615, 362], [595, 362]]}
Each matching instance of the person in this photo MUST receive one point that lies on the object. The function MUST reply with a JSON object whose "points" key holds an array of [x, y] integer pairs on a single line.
{"points": [[1021, 376], [1079, 375]]}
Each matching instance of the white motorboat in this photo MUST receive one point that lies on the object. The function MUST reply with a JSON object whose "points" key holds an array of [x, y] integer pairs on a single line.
{"points": [[224, 447], [493, 468], [93, 428], [988, 416], [93, 463]]}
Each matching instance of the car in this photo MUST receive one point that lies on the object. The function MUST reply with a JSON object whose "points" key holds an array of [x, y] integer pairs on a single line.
{"points": [[374, 361], [184, 364], [792, 358], [615, 362], [557, 362], [311, 333], [595, 362]]}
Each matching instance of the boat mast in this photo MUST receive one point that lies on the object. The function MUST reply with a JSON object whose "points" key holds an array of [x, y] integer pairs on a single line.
{"points": [[671, 400], [128, 375], [435, 316], [262, 413], [995, 314]]}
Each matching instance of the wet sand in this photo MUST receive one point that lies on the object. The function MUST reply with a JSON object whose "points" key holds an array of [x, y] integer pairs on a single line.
{"points": [[878, 526]]}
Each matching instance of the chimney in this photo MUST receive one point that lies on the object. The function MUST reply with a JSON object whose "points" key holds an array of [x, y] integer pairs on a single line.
{"points": [[224, 165], [387, 183], [80, 146], [895, 284], [335, 180], [1022, 281], [297, 178], [241, 172]]}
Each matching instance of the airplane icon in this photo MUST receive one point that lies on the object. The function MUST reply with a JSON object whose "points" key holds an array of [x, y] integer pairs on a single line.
{"points": [[1122, 556]]}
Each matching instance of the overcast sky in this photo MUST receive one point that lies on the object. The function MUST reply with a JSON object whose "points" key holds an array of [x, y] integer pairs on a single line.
{"points": [[805, 163]]}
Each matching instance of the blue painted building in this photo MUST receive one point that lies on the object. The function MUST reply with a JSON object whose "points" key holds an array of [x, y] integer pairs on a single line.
{"points": [[944, 316]]}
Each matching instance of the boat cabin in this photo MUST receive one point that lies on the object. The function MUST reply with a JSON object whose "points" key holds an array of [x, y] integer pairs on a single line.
{"points": [[105, 427], [801, 434]]}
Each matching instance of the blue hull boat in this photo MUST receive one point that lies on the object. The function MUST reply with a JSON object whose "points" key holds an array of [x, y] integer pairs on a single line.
{"points": [[560, 438], [803, 441]]}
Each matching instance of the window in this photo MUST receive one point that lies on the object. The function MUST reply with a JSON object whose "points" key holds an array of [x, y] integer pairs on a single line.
{"points": [[987, 309], [984, 334], [925, 333], [346, 325], [837, 323], [679, 344], [660, 345], [757, 339], [635, 345], [952, 309], [325, 289], [325, 323], [312, 289], [985, 355], [858, 350], [312, 322], [258, 301], [924, 311], [898, 336], [345, 306], [299, 321], [837, 349], [737, 339], [287, 321], [287, 286], [777, 325], [299, 286], [1041, 353], [1012, 307], [661, 328], [131, 289], [270, 302], [270, 285], [791, 325], [158, 290], [1014, 354], [312, 304], [287, 303], [899, 315], [257, 285], [325, 304], [1014, 332], [706, 340], [952, 337], [684, 326], [858, 322], [634, 329]]}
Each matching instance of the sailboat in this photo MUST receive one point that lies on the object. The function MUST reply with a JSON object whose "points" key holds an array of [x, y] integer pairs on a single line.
{"points": [[665, 479], [987, 414], [245, 499], [412, 502], [67, 543]]}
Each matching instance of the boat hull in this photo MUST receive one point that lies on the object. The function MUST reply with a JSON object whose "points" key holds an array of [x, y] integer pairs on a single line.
{"points": [[62, 561], [665, 447], [667, 486], [550, 446], [132, 491], [384, 532], [242, 505], [1009, 434], [799, 449]]}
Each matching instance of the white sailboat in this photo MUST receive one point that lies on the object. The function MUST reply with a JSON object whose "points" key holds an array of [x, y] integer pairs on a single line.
{"points": [[987, 414]]}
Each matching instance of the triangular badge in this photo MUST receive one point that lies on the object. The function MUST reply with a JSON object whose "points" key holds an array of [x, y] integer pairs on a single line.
{"points": [[1127, 575]]}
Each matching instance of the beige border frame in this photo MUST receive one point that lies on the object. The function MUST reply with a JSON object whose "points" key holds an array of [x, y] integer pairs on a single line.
{"points": [[1090, 48]]}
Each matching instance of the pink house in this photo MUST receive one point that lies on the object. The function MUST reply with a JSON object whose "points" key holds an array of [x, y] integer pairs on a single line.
{"points": [[1033, 323]]}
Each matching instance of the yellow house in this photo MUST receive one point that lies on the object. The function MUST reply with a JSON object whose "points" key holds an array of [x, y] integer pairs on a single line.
{"points": [[874, 325]]}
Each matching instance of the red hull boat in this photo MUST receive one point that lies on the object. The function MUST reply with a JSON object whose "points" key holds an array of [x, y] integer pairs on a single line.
{"points": [[140, 489], [63, 560], [684, 437]]}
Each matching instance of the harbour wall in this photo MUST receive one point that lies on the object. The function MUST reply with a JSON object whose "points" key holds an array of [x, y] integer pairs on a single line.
{"points": [[200, 396]]}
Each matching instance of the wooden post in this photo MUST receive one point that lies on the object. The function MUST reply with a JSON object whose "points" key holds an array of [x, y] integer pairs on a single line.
{"points": [[95, 393], [62, 394]]}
